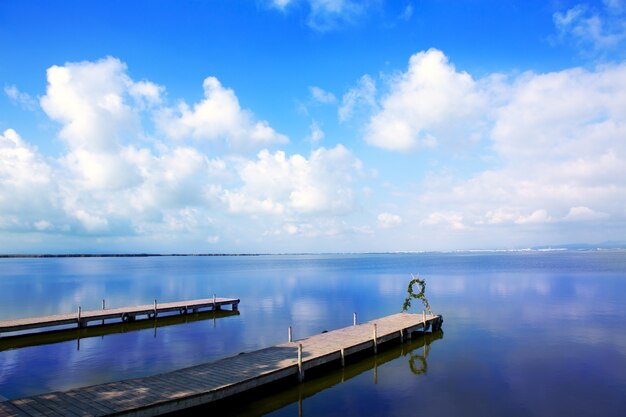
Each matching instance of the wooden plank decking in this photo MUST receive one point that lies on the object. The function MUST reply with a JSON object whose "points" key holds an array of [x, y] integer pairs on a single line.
{"points": [[202, 384], [82, 318]]}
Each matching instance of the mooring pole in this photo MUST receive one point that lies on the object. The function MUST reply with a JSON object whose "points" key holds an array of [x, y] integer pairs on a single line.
{"points": [[354, 319], [375, 341], [290, 335], [300, 370]]}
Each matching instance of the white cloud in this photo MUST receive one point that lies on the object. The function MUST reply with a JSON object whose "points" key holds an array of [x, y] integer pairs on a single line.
{"points": [[280, 4], [450, 219], [582, 213], [316, 135], [90, 100], [389, 220], [600, 28], [556, 145], [537, 216], [326, 15], [321, 95], [114, 180], [26, 183], [332, 14], [19, 97], [147, 93], [429, 102], [27, 187], [278, 184], [363, 95], [218, 117]]}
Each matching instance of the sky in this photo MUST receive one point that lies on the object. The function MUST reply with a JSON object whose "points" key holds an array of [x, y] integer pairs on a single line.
{"points": [[288, 126]]}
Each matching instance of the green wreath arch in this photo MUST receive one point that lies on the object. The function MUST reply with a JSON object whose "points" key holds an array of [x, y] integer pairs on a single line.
{"points": [[420, 295]]}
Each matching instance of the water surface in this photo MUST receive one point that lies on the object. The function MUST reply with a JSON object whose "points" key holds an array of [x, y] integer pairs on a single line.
{"points": [[525, 333]]}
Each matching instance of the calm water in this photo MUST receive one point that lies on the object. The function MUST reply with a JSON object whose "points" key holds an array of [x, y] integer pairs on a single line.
{"points": [[531, 333]]}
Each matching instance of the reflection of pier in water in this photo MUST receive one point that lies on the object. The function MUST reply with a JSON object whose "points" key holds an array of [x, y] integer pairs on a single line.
{"points": [[269, 399], [78, 333]]}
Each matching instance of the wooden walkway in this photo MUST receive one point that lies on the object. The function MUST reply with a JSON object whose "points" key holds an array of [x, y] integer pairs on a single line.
{"points": [[16, 341], [125, 314], [202, 384]]}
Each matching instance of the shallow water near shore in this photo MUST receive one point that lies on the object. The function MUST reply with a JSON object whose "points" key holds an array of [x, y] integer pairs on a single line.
{"points": [[525, 333]]}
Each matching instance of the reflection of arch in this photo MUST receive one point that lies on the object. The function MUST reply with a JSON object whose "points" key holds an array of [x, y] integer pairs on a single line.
{"points": [[422, 367], [422, 360]]}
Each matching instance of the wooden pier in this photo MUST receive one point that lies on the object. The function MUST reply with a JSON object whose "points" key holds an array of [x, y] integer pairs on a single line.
{"points": [[203, 384], [16, 341], [124, 314]]}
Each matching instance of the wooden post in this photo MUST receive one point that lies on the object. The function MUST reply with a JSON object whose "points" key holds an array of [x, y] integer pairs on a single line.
{"points": [[78, 320], [424, 318], [155, 307], [300, 370], [103, 305], [354, 319], [343, 357], [401, 335], [375, 341], [290, 335]]}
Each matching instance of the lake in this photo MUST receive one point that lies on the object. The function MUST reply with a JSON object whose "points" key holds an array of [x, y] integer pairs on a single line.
{"points": [[525, 333]]}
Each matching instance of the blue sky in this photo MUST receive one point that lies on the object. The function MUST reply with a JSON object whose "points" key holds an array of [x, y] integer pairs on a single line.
{"points": [[311, 125]]}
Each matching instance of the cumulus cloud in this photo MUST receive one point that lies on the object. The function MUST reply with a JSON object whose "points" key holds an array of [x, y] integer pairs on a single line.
{"points": [[90, 100], [429, 102], [556, 147], [26, 186], [218, 117], [278, 184], [113, 179]]}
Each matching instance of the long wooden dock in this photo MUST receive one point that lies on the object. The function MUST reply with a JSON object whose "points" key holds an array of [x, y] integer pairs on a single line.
{"points": [[203, 384], [124, 314], [16, 341]]}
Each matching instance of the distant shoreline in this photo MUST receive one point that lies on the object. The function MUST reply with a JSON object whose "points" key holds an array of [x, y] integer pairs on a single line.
{"points": [[119, 255], [575, 248]]}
